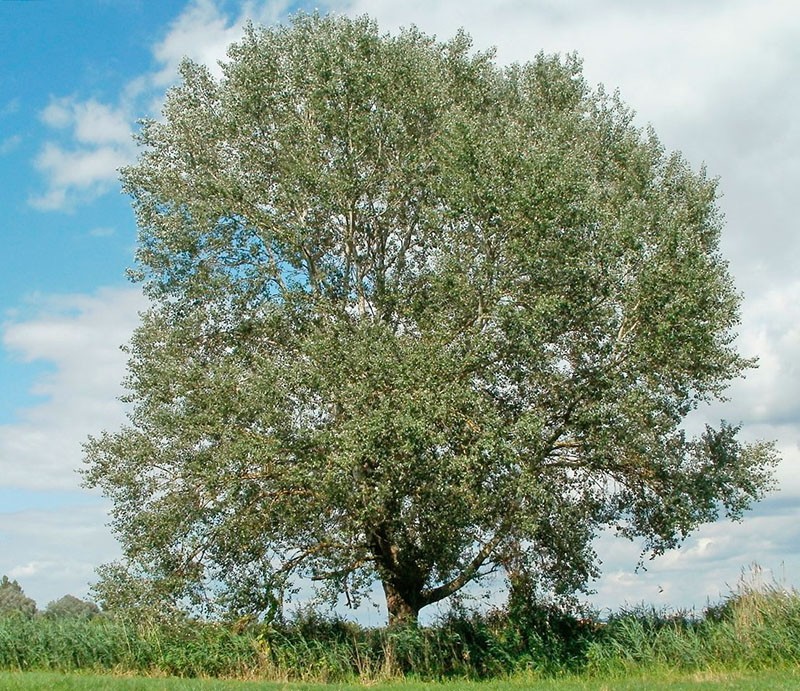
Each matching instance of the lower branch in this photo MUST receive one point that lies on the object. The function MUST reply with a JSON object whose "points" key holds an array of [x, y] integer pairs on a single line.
{"points": [[468, 574]]}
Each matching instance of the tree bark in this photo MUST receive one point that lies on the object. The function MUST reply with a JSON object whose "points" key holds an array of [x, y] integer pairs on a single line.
{"points": [[404, 583], [402, 611]]}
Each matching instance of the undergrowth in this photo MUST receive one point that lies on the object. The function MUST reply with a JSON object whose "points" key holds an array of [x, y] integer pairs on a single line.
{"points": [[752, 629]]}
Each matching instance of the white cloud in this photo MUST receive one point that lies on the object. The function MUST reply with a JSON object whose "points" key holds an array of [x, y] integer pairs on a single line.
{"points": [[765, 401], [201, 33], [101, 142], [97, 123], [77, 174], [29, 569], [58, 113], [707, 567], [772, 323], [80, 336]]}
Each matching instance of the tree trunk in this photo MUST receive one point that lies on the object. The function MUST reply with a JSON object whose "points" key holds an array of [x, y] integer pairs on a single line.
{"points": [[402, 610]]}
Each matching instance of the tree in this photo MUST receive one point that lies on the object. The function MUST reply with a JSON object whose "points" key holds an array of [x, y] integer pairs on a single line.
{"points": [[413, 318], [71, 606], [13, 600]]}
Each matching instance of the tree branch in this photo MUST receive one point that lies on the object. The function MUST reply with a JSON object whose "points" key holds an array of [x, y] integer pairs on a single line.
{"points": [[429, 596]]}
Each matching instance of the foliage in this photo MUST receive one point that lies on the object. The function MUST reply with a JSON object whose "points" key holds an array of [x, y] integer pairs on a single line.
{"points": [[71, 606], [414, 318], [13, 601], [133, 597], [552, 634]]}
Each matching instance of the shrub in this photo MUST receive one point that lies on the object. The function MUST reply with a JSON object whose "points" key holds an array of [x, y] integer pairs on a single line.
{"points": [[71, 606]]}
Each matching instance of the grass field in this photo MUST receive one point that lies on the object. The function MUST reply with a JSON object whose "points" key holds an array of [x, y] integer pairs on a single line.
{"points": [[755, 681]]}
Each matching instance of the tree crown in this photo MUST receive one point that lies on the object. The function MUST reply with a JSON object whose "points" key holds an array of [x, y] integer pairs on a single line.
{"points": [[415, 317]]}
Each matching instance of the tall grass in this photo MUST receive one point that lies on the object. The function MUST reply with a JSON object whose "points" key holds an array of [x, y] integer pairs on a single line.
{"points": [[70, 644], [309, 648], [753, 629]]}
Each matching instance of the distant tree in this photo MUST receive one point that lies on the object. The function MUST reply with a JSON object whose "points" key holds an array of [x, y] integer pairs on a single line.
{"points": [[13, 600], [71, 606], [415, 318]]}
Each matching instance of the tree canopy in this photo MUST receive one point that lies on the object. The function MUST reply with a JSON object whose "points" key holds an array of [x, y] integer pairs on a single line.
{"points": [[14, 601], [415, 318], [70, 606]]}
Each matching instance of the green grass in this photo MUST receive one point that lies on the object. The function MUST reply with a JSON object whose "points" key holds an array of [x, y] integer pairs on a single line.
{"points": [[756, 681]]}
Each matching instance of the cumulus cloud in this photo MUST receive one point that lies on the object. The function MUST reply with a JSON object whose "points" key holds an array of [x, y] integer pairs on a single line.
{"points": [[93, 122], [202, 33], [80, 337], [100, 142], [54, 551], [772, 331], [708, 567], [77, 174]]}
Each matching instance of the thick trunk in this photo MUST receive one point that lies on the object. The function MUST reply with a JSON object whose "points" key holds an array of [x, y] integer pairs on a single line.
{"points": [[404, 582], [403, 610]]}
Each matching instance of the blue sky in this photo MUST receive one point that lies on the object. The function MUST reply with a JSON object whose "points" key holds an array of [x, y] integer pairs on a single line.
{"points": [[60, 50], [717, 80]]}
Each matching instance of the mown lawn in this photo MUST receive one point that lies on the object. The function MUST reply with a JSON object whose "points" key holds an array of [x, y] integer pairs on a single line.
{"points": [[756, 681]]}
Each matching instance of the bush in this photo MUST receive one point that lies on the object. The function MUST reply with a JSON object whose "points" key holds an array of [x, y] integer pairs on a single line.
{"points": [[71, 606]]}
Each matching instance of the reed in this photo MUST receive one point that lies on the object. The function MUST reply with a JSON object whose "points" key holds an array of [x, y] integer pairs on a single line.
{"points": [[755, 628]]}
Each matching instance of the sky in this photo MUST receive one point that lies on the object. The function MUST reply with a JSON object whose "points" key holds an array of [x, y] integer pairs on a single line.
{"points": [[717, 80]]}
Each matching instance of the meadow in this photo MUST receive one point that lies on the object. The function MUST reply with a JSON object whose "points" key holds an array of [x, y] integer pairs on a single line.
{"points": [[751, 640]]}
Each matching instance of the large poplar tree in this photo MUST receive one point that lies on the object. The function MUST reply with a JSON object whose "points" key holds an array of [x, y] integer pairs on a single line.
{"points": [[414, 318]]}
